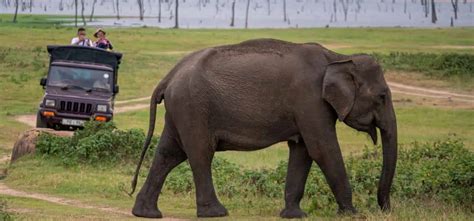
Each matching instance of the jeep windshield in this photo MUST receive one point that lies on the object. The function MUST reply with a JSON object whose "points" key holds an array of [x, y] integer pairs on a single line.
{"points": [[80, 78]]}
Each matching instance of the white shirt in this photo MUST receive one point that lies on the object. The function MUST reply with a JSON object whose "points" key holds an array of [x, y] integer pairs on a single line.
{"points": [[85, 42]]}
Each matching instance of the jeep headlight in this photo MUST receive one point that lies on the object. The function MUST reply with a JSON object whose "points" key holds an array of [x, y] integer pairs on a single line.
{"points": [[102, 108], [49, 103]]}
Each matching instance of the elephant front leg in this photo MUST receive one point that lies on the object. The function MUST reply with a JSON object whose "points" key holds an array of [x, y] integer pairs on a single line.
{"points": [[299, 165], [168, 156], [323, 147], [327, 154]]}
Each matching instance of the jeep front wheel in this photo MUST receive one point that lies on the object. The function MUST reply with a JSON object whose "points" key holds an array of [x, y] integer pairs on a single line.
{"points": [[40, 121]]}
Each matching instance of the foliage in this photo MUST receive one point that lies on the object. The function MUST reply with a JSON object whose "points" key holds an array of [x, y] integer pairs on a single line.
{"points": [[97, 143], [4, 215], [442, 170], [438, 65]]}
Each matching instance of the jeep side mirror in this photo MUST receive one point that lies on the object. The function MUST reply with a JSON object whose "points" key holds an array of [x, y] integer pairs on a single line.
{"points": [[43, 81], [116, 89]]}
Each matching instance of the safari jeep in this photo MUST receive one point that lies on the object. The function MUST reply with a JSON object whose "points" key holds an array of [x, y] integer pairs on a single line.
{"points": [[81, 85]]}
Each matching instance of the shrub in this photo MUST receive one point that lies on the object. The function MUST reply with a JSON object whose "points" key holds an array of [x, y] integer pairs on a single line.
{"points": [[443, 170], [97, 143], [439, 65], [4, 214]]}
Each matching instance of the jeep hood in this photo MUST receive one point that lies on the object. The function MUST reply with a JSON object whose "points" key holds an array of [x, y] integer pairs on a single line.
{"points": [[78, 94]]}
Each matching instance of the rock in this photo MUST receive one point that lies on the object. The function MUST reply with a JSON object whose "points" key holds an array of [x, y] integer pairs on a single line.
{"points": [[26, 142]]}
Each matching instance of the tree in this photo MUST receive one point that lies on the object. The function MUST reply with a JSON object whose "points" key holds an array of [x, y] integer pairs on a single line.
{"points": [[60, 7], [176, 21], [284, 11], [92, 11], [269, 10], [159, 11], [232, 24], [434, 18], [405, 7], [141, 9], [118, 10], [17, 4], [82, 13], [75, 17], [247, 14], [455, 8], [426, 7], [345, 8]]}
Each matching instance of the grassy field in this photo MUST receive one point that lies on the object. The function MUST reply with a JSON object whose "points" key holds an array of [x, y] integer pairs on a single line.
{"points": [[149, 53]]}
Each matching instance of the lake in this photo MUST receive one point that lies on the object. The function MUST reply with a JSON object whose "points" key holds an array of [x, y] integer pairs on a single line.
{"points": [[262, 13]]}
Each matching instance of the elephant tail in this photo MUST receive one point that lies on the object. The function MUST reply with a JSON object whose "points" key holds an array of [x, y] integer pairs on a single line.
{"points": [[156, 98]]}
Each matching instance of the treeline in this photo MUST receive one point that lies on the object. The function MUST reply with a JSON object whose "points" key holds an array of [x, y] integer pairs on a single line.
{"points": [[334, 9]]}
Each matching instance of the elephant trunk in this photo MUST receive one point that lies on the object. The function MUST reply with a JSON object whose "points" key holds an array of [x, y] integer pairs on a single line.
{"points": [[388, 130]]}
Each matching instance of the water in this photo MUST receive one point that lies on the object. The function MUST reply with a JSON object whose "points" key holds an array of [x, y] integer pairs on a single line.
{"points": [[300, 13]]}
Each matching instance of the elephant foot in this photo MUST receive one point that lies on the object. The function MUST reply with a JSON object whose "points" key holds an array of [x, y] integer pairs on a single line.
{"points": [[217, 210], [140, 210], [292, 213], [347, 211]]}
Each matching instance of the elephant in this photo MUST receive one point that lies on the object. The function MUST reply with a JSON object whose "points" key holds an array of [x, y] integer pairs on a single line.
{"points": [[251, 95]]}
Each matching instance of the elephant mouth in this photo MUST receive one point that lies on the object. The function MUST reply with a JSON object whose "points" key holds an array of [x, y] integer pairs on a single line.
{"points": [[369, 128], [372, 131]]}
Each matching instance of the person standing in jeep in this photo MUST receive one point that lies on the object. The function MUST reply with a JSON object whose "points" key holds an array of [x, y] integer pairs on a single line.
{"points": [[102, 41], [81, 39]]}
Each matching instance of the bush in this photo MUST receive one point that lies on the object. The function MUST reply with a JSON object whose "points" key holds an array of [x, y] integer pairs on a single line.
{"points": [[442, 170], [97, 143], [439, 65], [4, 214]]}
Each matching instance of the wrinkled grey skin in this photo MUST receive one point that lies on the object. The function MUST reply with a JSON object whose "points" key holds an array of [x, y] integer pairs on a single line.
{"points": [[257, 93]]}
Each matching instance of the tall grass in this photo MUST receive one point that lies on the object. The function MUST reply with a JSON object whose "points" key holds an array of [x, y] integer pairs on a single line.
{"points": [[446, 65]]}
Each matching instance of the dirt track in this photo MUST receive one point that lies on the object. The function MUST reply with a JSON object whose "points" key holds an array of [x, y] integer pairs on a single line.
{"points": [[397, 88], [4, 190], [441, 97], [30, 120]]}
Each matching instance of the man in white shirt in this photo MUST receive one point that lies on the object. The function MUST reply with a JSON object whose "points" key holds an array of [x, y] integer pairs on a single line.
{"points": [[81, 39]]}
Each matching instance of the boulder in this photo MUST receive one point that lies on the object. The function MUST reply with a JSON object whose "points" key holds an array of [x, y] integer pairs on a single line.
{"points": [[26, 142]]}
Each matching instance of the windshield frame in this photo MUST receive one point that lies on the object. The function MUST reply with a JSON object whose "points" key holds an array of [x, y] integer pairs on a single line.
{"points": [[88, 67]]}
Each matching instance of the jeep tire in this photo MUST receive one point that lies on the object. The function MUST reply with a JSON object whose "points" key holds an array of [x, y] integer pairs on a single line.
{"points": [[40, 121]]}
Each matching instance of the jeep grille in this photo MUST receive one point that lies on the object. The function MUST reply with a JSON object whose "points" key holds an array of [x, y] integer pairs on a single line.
{"points": [[75, 107]]}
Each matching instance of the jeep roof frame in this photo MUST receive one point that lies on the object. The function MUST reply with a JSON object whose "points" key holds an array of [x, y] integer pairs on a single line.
{"points": [[85, 55]]}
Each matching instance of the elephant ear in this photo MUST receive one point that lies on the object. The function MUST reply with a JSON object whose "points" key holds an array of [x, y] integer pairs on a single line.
{"points": [[339, 87]]}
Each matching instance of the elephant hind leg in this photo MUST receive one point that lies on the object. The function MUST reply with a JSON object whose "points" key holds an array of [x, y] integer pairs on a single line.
{"points": [[299, 165], [168, 155], [200, 152]]}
